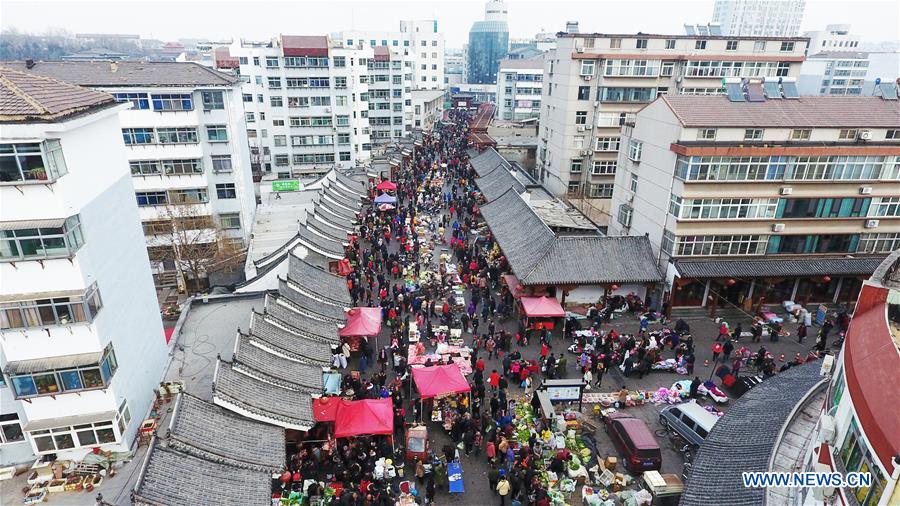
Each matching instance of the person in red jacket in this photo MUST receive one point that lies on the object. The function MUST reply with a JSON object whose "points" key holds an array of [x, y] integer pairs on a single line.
{"points": [[479, 364], [494, 380]]}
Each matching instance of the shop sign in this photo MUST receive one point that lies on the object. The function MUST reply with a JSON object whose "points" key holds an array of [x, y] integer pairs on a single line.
{"points": [[289, 185]]}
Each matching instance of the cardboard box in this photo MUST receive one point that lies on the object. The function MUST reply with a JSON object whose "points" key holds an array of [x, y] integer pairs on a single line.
{"points": [[611, 462]]}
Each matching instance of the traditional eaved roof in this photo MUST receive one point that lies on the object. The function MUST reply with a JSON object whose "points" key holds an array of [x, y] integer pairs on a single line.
{"points": [[329, 224], [522, 236], [288, 292], [496, 182], [255, 361], [807, 111], [775, 267], [170, 477], [351, 184], [596, 260], [263, 401], [288, 342], [304, 320], [486, 161], [206, 431], [329, 214], [128, 73], [353, 199], [346, 202], [25, 97], [747, 434], [320, 227], [327, 202], [323, 284], [321, 245]]}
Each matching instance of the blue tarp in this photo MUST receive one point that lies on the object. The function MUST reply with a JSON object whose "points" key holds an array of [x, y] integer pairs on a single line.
{"points": [[454, 474], [384, 198], [332, 383]]}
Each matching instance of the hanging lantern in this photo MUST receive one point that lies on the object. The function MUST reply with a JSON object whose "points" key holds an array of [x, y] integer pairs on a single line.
{"points": [[826, 279], [614, 287], [285, 477], [731, 282]]}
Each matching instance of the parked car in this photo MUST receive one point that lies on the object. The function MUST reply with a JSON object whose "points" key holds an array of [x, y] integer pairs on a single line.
{"points": [[636, 444], [666, 489], [689, 420]]}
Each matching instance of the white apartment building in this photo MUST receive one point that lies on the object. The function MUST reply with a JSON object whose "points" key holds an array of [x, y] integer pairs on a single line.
{"points": [[765, 18], [304, 103], [519, 85], [419, 41], [81, 341], [428, 108], [832, 38], [834, 73], [594, 83], [187, 151], [389, 98]]}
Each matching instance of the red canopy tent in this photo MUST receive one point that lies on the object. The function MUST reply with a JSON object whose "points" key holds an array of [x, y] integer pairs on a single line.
{"points": [[515, 288], [364, 418], [386, 185], [439, 380], [325, 408], [542, 307], [362, 321]]}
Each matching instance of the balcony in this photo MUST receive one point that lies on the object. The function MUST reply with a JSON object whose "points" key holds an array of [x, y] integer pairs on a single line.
{"points": [[31, 163], [40, 239], [56, 309], [62, 374]]}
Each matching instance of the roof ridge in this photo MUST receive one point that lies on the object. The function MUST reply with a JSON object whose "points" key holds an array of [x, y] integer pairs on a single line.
{"points": [[14, 88]]}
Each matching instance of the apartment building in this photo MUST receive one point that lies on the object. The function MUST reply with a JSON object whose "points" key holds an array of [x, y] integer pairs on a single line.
{"points": [[81, 340], [848, 72], [390, 95], [759, 196], [519, 85], [187, 151], [428, 108], [832, 38], [769, 18], [304, 103], [594, 83], [419, 41]]}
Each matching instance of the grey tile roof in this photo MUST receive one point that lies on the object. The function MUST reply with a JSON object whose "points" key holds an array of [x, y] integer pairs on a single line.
{"points": [[323, 245], [495, 183], [253, 360], [777, 267], [353, 199], [596, 260], [289, 343], [28, 97], [522, 236], [743, 439], [284, 310], [207, 431], [345, 203], [314, 223], [287, 291], [334, 206], [351, 183], [172, 478], [486, 161], [323, 284], [324, 210], [277, 405], [128, 73], [809, 111], [330, 223]]}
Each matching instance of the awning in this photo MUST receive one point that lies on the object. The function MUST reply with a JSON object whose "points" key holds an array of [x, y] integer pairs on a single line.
{"points": [[514, 286], [772, 268], [386, 186], [384, 198], [325, 408], [57, 294], [364, 418], [542, 307], [67, 421], [20, 225], [14, 367], [362, 321], [439, 380]]}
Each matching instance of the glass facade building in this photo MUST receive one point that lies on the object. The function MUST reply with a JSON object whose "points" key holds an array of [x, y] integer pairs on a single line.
{"points": [[488, 44]]}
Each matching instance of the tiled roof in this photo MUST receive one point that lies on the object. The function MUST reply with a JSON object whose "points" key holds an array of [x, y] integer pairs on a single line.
{"points": [[486, 161], [207, 431], [339, 218], [743, 439], [810, 112], [28, 97], [522, 236], [334, 206], [496, 182], [527, 63], [321, 227], [770, 267], [170, 477], [596, 260], [253, 360], [288, 292], [289, 343], [308, 322], [330, 248], [305, 41], [324, 284], [342, 197], [330, 223], [277, 405], [355, 186], [128, 73]]}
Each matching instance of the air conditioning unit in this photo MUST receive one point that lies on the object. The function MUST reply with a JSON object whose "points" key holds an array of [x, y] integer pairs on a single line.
{"points": [[826, 429], [579, 49], [871, 223], [865, 190], [328, 109], [678, 79], [581, 128], [587, 78], [597, 104], [822, 493], [778, 227], [787, 190], [864, 135], [586, 152], [827, 365]]}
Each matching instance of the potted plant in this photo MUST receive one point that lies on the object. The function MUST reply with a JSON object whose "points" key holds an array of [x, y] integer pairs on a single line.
{"points": [[38, 173]]}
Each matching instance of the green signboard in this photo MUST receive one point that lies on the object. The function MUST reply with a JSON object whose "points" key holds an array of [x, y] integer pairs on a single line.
{"points": [[289, 185]]}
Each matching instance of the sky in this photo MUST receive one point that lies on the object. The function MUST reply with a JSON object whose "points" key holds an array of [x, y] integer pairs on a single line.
{"points": [[875, 20]]}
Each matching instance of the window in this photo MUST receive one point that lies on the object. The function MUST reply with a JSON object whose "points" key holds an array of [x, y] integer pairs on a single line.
{"points": [[759, 46], [580, 117], [49, 312], [10, 429], [584, 93], [634, 183], [670, 43], [707, 134], [731, 45], [714, 245], [279, 140], [753, 134], [878, 243], [615, 43], [345, 156], [247, 97], [71, 379], [216, 133], [892, 134], [230, 221], [212, 100], [607, 144], [625, 214], [172, 102], [256, 61], [601, 191], [885, 206], [606, 94], [342, 120], [574, 188], [343, 138], [138, 100], [787, 47], [675, 205], [575, 167], [800, 134], [587, 67], [271, 62], [225, 191], [634, 150], [641, 44], [32, 161], [250, 117], [848, 134], [177, 135], [151, 198], [138, 136], [124, 417], [188, 196], [603, 167], [667, 245], [276, 101], [725, 209], [221, 163], [274, 84], [639, 68], [65, 438], [242, 60], [700, 44]]}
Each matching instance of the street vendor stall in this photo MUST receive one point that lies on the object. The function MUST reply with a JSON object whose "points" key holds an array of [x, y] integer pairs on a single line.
{"points": [[446, 385], [384, 198], [540, 312], [368, 417], [361, 322], [512, 282], [564, 390], [386, 186]]}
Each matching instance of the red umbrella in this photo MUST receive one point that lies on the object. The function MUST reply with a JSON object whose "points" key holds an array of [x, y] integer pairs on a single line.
{"points": [[386, 185]]}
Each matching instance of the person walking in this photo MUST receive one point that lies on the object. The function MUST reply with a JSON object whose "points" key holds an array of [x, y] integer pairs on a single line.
{"points": [[502, 488], [801, 332]]}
